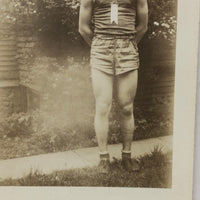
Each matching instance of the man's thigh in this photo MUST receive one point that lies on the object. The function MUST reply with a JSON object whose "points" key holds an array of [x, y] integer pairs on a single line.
{"points": [[102, 86], [126, 86]]}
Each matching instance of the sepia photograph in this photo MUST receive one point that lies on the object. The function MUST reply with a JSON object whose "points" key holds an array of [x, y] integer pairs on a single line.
{"points": [[87, 93]]}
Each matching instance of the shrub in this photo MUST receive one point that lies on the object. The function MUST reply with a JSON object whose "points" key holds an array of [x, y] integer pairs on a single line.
{"points": [[162, 20], [50, 17], [16, 125]]}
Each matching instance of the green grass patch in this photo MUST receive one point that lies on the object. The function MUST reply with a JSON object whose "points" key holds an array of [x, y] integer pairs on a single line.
{"points": [[155, 173]]}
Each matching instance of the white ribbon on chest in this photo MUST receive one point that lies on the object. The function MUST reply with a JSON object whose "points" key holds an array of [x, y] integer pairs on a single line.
{"points": [[114, 13]]}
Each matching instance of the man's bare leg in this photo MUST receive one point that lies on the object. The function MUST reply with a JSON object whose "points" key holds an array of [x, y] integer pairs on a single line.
{"points": [[126, 91], [103, 90]]}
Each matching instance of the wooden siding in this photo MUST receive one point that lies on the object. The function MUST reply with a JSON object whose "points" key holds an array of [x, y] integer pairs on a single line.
{"points": [[156, 74], [9, 72]]}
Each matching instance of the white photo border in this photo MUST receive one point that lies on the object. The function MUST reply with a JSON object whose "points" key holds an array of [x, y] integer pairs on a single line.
{"points": [[183, 136]]}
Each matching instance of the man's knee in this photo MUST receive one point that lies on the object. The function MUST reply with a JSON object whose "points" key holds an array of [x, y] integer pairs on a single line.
{"points": [[126, 109], [103, 108]]}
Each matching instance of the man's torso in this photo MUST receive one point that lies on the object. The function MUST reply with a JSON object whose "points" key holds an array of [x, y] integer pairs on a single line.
{"points": [[126, 17]]}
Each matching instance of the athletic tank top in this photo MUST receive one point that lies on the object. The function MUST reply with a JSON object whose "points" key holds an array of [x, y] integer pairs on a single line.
{"points": [[126, 17]]}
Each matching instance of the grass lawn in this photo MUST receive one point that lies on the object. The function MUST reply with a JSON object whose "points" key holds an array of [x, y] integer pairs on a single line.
{"points": [[155, 173]]}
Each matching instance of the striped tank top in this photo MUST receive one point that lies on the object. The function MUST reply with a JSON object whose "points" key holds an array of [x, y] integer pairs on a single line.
{"points": [[126, 17]]}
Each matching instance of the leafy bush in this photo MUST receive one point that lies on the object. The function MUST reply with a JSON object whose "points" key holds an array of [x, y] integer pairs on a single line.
{"points": [[56, 21], [162, 20], [16, 125]]}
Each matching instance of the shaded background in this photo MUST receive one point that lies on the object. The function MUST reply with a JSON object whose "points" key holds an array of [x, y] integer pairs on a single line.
{"points": [[46, 99]]}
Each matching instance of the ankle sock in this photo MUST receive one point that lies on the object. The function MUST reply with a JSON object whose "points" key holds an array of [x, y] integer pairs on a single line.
{"points": [[104, 156], [126, 155]]}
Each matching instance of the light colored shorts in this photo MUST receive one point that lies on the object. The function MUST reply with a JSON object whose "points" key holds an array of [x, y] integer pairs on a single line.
{"points": [[114, 55]]}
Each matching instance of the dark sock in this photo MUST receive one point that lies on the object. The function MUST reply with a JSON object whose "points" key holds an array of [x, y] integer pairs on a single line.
{"points": [[104, 156], [126, 155]]}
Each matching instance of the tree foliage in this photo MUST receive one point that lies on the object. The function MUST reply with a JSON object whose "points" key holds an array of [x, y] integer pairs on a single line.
{"points": [[56, 21], [162, 19]]}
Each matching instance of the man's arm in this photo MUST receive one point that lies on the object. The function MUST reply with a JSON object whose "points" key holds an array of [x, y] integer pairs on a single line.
{"points": [[142, 19], [85, 16]]}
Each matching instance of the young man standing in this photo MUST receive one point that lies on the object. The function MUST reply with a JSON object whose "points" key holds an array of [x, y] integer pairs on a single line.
{"points": [[119, 25]]}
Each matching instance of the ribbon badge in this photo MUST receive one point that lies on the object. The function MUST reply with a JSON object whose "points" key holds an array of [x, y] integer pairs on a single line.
{"points": [[114, 13]]}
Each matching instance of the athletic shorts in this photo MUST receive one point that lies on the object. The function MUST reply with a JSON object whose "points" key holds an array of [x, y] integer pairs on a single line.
{"points": [[114, 55]]}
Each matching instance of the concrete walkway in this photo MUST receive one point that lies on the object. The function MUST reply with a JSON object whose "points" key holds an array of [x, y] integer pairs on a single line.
{"points": [[87, 157]]}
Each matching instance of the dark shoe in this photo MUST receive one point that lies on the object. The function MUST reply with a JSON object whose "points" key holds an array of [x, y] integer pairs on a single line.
{"points": [[104, 167], [130, 165]]}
